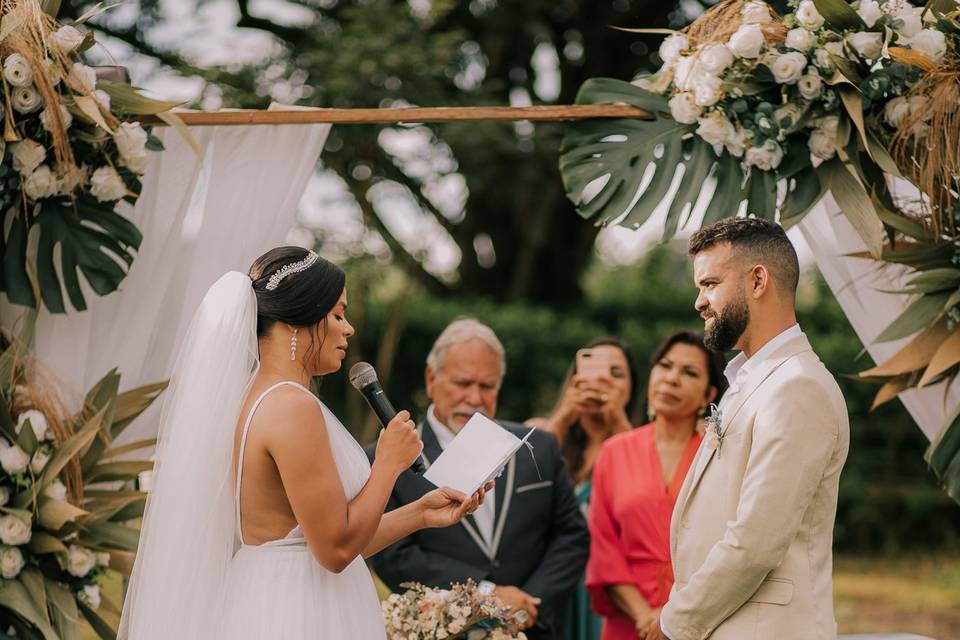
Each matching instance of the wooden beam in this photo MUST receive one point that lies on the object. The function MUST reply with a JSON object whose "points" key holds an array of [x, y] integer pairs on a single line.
{"points": [[407, 115]]}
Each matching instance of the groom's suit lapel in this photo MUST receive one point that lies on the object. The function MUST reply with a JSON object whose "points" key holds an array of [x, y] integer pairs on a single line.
{"points": [[792, 348]]}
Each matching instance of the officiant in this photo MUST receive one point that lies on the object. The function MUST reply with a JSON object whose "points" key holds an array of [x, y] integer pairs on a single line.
{"points": [[528, 543]]}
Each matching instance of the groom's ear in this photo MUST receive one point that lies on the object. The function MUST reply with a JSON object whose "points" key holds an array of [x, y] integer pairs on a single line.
{"points": [[759, 281]]}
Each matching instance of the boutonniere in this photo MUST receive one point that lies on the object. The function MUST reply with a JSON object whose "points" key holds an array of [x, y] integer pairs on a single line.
{"points": [[715, 426]]}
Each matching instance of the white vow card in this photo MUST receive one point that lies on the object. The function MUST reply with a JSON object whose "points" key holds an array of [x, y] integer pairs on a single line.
{"points": [[476, 456]]}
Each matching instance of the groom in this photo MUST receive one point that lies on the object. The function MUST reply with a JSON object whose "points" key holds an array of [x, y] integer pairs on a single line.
{"points": [[752, 530]]}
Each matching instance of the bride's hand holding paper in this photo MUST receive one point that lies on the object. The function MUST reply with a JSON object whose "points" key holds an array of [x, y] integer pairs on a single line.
{"points": [[444, 507]]}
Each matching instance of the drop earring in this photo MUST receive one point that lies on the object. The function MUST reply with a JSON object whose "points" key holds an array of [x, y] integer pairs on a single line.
{"points": [[293, 345]]}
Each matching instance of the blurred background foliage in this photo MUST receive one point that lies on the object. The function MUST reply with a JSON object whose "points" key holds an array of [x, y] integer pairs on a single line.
{"points": [[889, 501]]}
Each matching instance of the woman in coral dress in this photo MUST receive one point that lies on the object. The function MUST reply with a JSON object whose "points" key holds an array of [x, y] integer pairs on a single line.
{"points": [[636, 480]]}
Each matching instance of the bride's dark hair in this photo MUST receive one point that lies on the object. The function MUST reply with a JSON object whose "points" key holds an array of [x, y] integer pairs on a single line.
{"points": [[301, 299]]}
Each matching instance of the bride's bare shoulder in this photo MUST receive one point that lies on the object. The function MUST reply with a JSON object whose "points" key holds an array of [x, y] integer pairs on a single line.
{"points": [[290, 410]]}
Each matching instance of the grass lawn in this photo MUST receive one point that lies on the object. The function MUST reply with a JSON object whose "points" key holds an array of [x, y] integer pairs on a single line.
{"points": [[909, 594]]}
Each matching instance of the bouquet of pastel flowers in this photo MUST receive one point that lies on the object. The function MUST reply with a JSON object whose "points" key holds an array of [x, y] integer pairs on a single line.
{"points": [[423, 613], [70, 153], [65, 515]]}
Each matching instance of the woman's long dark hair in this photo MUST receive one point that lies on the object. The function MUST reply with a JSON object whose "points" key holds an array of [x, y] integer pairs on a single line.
{"points": [[302, 299], [574, 443], [715, 361]]}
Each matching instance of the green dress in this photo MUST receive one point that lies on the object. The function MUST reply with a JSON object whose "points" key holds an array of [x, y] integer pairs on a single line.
{"points": [[580, 622]]}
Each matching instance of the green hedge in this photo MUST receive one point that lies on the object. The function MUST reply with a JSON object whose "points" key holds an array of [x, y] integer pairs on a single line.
{"points": [[888, 501]]}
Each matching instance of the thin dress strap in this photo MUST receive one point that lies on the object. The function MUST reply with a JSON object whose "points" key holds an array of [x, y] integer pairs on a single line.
{"points": [[243, 443]]}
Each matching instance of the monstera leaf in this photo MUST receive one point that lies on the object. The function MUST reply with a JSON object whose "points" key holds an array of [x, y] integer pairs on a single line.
{"points": [[94, 241], [621, 153]]}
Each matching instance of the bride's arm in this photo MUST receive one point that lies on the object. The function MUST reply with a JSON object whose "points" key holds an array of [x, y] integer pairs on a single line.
{"points": [[438, 508], [337, 531]]}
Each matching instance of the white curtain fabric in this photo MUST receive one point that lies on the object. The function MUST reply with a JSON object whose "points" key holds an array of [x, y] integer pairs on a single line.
{"points": [[858, 285], [199, 220]]}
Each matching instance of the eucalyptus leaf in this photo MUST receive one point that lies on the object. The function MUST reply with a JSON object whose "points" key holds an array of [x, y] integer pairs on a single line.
{"points": [[839, 15], [920, 314], [943, 455]]}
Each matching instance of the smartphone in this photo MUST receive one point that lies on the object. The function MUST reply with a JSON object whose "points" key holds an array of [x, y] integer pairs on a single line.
{"points": [[593, 364]]}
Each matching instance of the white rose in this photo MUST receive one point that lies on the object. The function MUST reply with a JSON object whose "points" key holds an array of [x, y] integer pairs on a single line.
{"points": [[821, 58], [90, 596], [4, 495], [714, 58], [910, 21], [83, 78], [106, 185], [895, 111], [64, 115], [870, 11], [808, 16], [683, 74], [80, 561], [755, 13], [131, 141], [715, 128], [67, 38], [788, 67], [707, 92], [684, 109], [40, 459], [26, 99], [810, 85], [867, 44], [27, 156], [790, 113], [822, 144], [13, 459], [11, 562], [17, 71], [738, 143], [103, 97], [103, 558], [931, 42], [42, 183], [38, 422], [747, 41], [56, 490], [672, 46], [830, 124], [766, 157], [800, 39], [919, 113], [14, 531]]}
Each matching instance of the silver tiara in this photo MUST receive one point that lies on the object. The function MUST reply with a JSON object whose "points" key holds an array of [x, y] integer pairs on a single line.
{"points": [[290, 269]]}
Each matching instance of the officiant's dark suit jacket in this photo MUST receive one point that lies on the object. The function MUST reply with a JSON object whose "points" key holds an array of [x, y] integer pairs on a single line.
{"points": [[540, 542]]}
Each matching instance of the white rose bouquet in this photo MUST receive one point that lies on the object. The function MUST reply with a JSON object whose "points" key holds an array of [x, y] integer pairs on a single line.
{"points": [[63, 522], [831, 97], [422, 613], [75, 155]]}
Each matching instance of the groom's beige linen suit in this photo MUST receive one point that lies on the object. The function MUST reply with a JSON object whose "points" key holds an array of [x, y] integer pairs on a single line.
{"points": [[752, 531]]}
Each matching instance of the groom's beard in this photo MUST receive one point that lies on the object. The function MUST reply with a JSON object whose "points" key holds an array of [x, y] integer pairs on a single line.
{"points": [[728, 325]]}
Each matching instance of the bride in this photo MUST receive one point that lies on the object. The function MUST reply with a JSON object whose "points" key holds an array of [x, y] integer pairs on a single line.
{"points": [[263, 505]]}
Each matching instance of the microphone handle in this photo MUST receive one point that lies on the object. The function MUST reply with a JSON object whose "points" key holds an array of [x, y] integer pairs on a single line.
{"points": [[385, 412]]}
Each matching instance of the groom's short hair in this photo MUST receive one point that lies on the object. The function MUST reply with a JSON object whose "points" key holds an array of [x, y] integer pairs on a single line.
{"points": [[754, 240]]}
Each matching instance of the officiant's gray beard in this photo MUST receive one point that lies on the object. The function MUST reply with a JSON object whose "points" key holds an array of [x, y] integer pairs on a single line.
{"points": [[728, 325]]}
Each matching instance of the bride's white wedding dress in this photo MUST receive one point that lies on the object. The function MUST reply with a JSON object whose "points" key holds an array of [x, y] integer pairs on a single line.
{"points": [[278, 591]]}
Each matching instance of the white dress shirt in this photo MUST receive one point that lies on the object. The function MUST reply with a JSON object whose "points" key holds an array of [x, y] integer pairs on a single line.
{"points": [[485, 515]]}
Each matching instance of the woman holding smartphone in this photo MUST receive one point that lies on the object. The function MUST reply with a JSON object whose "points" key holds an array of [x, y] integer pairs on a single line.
{"points": [[636, 480], [597, 401]]}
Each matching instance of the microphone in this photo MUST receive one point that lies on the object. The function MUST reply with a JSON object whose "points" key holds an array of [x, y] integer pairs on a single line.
{"points": [[363, 377]]}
